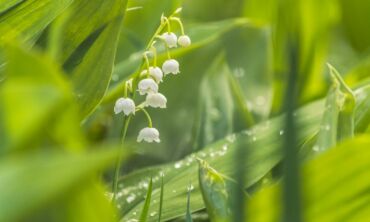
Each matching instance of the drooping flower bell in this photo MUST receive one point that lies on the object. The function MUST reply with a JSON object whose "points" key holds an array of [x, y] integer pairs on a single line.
{"points": [[147, 85], [170, 38], [184, 41], [171, 66], [125, 105], [155, 72], [149, 135], [156, 100]]}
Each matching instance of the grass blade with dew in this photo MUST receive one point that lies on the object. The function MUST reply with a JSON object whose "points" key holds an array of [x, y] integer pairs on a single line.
{"points": [[188, 217], [161, 200], [145, 211]]}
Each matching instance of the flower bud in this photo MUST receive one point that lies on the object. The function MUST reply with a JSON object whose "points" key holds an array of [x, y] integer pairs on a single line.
{"points": [[155, 72], [148, 135], [125, 105], [170, 66], [147, 86], [170, 38], [156, 100], [184, 41]]}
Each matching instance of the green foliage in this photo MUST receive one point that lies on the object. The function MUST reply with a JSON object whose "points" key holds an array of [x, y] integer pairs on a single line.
{"points": [[326, 191], [63, 63]]}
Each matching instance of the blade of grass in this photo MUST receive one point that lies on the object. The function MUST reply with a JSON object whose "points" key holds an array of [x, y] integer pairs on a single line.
{"points": [[145, 212], [188, 216], [291, 186], [161, 200]]}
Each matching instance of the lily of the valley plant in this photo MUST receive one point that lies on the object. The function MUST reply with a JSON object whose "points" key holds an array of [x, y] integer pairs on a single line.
{"points": [[146, 82]]}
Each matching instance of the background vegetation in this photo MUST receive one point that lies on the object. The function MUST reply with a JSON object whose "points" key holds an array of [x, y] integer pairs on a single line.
{"points": [[258, 126]]}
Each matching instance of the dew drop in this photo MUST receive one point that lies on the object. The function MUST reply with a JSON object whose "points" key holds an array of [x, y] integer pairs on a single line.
{"points": [[174, 191], [115, 77], [316, 148], [178, 165], [260, 100], [231, 138], [281, 132], [190, 187], [254, 138], [152, 214], [130, 198]]}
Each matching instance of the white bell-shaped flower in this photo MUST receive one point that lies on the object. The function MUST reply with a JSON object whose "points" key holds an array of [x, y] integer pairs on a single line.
{"points": [[171, 66], [155, 72], [148, 135], [184, 41], [147, 85], [156, 100], [125, 105], [170, 38]]}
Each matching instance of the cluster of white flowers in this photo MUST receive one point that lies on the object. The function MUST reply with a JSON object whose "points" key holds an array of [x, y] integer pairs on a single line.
{"points": [[149, 79]]}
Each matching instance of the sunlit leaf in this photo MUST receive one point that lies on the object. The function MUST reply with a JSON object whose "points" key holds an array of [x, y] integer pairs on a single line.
{"points": [[263, 144], [328, 195], [49, 175]]}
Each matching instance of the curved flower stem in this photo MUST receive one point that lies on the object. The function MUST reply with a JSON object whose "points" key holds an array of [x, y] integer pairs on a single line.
{"points": [[180, 24], [126, 122], [154, 50], [148, 118], [147, 62]]}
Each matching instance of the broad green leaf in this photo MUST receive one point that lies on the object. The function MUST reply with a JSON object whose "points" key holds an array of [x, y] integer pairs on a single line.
{"points": [[335, 187], [263, 143], [8, 4], [355, 16], [42, 177], [145, 211], [33, 97], [87, 203], [216, 106], [25, 20], [248, 53], [214, 192], [89, 48]]}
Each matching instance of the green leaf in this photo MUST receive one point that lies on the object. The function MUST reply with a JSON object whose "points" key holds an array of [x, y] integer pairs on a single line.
{"points": [[338, 119], [263, 143], [25, 20], [48, 175], [248, 53], [347, 106], [342, 196], [31, 98], [216, 107], [145, 211], [89, 48], [214, 192]]}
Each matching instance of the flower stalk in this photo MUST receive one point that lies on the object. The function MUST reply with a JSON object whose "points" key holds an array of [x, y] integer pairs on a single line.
{"points": [[145, 82]]}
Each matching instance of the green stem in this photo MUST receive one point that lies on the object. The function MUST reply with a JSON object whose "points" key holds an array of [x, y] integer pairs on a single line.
{"points": [[126, 122], [148, 118], [180, 24]]}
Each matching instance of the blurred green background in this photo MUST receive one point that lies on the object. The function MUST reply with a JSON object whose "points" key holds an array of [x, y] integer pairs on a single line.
{"points": [[63, 65]]}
